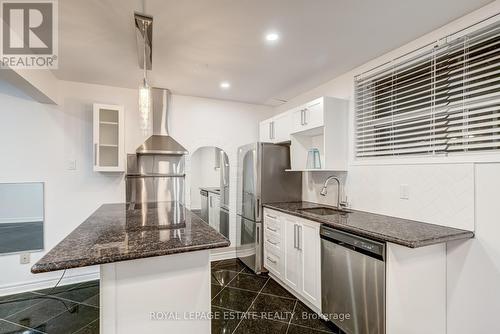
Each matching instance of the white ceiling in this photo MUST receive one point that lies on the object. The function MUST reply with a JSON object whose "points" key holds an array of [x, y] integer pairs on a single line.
{"points": [[199, 43]]}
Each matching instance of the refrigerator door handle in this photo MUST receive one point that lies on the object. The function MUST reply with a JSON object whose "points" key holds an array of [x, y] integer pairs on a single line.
{"points": [[257, 237], [257, 209]]}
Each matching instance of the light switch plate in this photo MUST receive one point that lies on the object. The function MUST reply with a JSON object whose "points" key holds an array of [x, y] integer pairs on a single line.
{"points": [[24, 258], [404, 191], [71, 165]]}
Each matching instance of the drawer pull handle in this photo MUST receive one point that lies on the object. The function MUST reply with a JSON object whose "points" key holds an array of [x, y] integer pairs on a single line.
{"points": [[272, 217], [272, 229], [272, 243], [269, 259]]}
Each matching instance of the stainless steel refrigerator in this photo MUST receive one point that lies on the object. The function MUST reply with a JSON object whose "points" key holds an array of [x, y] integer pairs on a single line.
{"points": [[261, 179], [224, 194]]}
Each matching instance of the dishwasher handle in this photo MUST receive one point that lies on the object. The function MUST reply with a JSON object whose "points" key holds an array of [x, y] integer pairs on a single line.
{"points": [[353, 242]]}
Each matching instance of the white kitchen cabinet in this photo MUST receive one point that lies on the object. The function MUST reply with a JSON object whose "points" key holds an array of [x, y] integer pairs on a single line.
{"points": [[273, 244], [310, 248], [109, 138], [276, 129], [265, 131], [292, 254], [322, 125], [281, 127], [214, 211], [308, 116]]}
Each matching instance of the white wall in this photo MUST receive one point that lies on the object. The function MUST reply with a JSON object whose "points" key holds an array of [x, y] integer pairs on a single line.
{"points": [[474, 265], [39, 139], [461, 195]]}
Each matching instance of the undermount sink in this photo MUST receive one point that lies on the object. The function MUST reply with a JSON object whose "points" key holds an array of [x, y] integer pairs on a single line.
{"points": [[323, 211]]}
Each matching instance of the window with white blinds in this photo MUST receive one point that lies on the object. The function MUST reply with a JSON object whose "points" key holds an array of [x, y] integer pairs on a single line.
{"points": [[444, 99]]}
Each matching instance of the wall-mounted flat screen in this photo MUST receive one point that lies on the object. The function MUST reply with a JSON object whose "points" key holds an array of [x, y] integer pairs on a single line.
{"points": [[21, 217]]}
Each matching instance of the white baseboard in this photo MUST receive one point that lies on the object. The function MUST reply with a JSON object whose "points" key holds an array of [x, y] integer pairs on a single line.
{"points": [[223, 254], [11, 289]]}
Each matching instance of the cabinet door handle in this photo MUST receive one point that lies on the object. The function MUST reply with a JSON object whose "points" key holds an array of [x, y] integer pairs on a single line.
{"points": [[95, 153], [302, 117], [305, 116], [272, 217], [273, 132], [270, 130], [271, 242], [271, 229], [269, 259], [299, 241], [295, 236]]}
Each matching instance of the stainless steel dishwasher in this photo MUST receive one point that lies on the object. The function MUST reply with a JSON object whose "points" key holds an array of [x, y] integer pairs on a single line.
{"points": [[353, 281]]}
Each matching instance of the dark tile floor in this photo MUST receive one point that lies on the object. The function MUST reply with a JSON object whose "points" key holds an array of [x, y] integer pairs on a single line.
{"points": [[66, 309], [242, 302]]}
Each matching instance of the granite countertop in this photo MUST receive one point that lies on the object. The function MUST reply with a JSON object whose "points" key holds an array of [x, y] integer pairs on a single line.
{"points": [[400, 231], [120, 232], [214, 190]]}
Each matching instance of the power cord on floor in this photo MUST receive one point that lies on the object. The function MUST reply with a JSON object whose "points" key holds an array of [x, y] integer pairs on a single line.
{"points": [[71, 309]]}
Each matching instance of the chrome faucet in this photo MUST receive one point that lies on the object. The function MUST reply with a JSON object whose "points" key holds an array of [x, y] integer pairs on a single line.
{"points": [[324, 191]]}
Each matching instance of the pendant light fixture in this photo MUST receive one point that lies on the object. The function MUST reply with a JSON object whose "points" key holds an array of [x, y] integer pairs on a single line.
{"points": [[144, 30], [145, 98]]}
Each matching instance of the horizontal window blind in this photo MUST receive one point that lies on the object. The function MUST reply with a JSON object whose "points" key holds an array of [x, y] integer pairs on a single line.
{"points": [[442, 100]]}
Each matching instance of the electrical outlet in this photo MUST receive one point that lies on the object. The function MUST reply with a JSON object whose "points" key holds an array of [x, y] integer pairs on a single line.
{"points": [[24, 258], [71, 165], [404, 191]]}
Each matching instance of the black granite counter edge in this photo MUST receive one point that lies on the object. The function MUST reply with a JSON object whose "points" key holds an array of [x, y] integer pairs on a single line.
{"points": [[79, 263], [373, 234]]}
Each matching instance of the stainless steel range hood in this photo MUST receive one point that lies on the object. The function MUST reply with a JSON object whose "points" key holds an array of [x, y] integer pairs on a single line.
{"points": [[161, 142]]}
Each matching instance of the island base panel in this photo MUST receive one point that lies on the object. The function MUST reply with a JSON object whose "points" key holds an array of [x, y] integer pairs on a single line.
{"points": [[156, 295]]}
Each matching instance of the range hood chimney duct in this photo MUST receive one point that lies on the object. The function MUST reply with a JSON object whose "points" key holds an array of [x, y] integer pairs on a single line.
{"points": [[161, 142]]}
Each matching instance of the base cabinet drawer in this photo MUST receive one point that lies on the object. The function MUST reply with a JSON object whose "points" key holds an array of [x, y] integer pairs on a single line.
{"points": [[273, 261], [273, 241], [292, 252]]}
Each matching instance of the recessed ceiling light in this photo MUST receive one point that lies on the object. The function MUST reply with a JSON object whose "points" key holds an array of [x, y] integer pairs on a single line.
{"points": [[272, 37], [225, 85]]}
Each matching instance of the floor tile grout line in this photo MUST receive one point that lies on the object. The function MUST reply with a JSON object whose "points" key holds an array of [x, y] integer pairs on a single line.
{"points": [[228, 309], [87, 325], [253, 301], [315, 329], [69, 300], [30, 328], [262, 293], [239, 272], [291, 318], [224, 286], [24, 309], [58, 314]]}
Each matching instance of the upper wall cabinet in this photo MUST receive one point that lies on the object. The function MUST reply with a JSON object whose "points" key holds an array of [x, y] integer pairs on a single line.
{"points": [[276, 129], [320, 128], [308, 116], [109, 138]]}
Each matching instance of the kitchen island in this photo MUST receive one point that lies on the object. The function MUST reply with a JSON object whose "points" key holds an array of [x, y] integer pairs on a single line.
{"points": [[154, 266]]}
